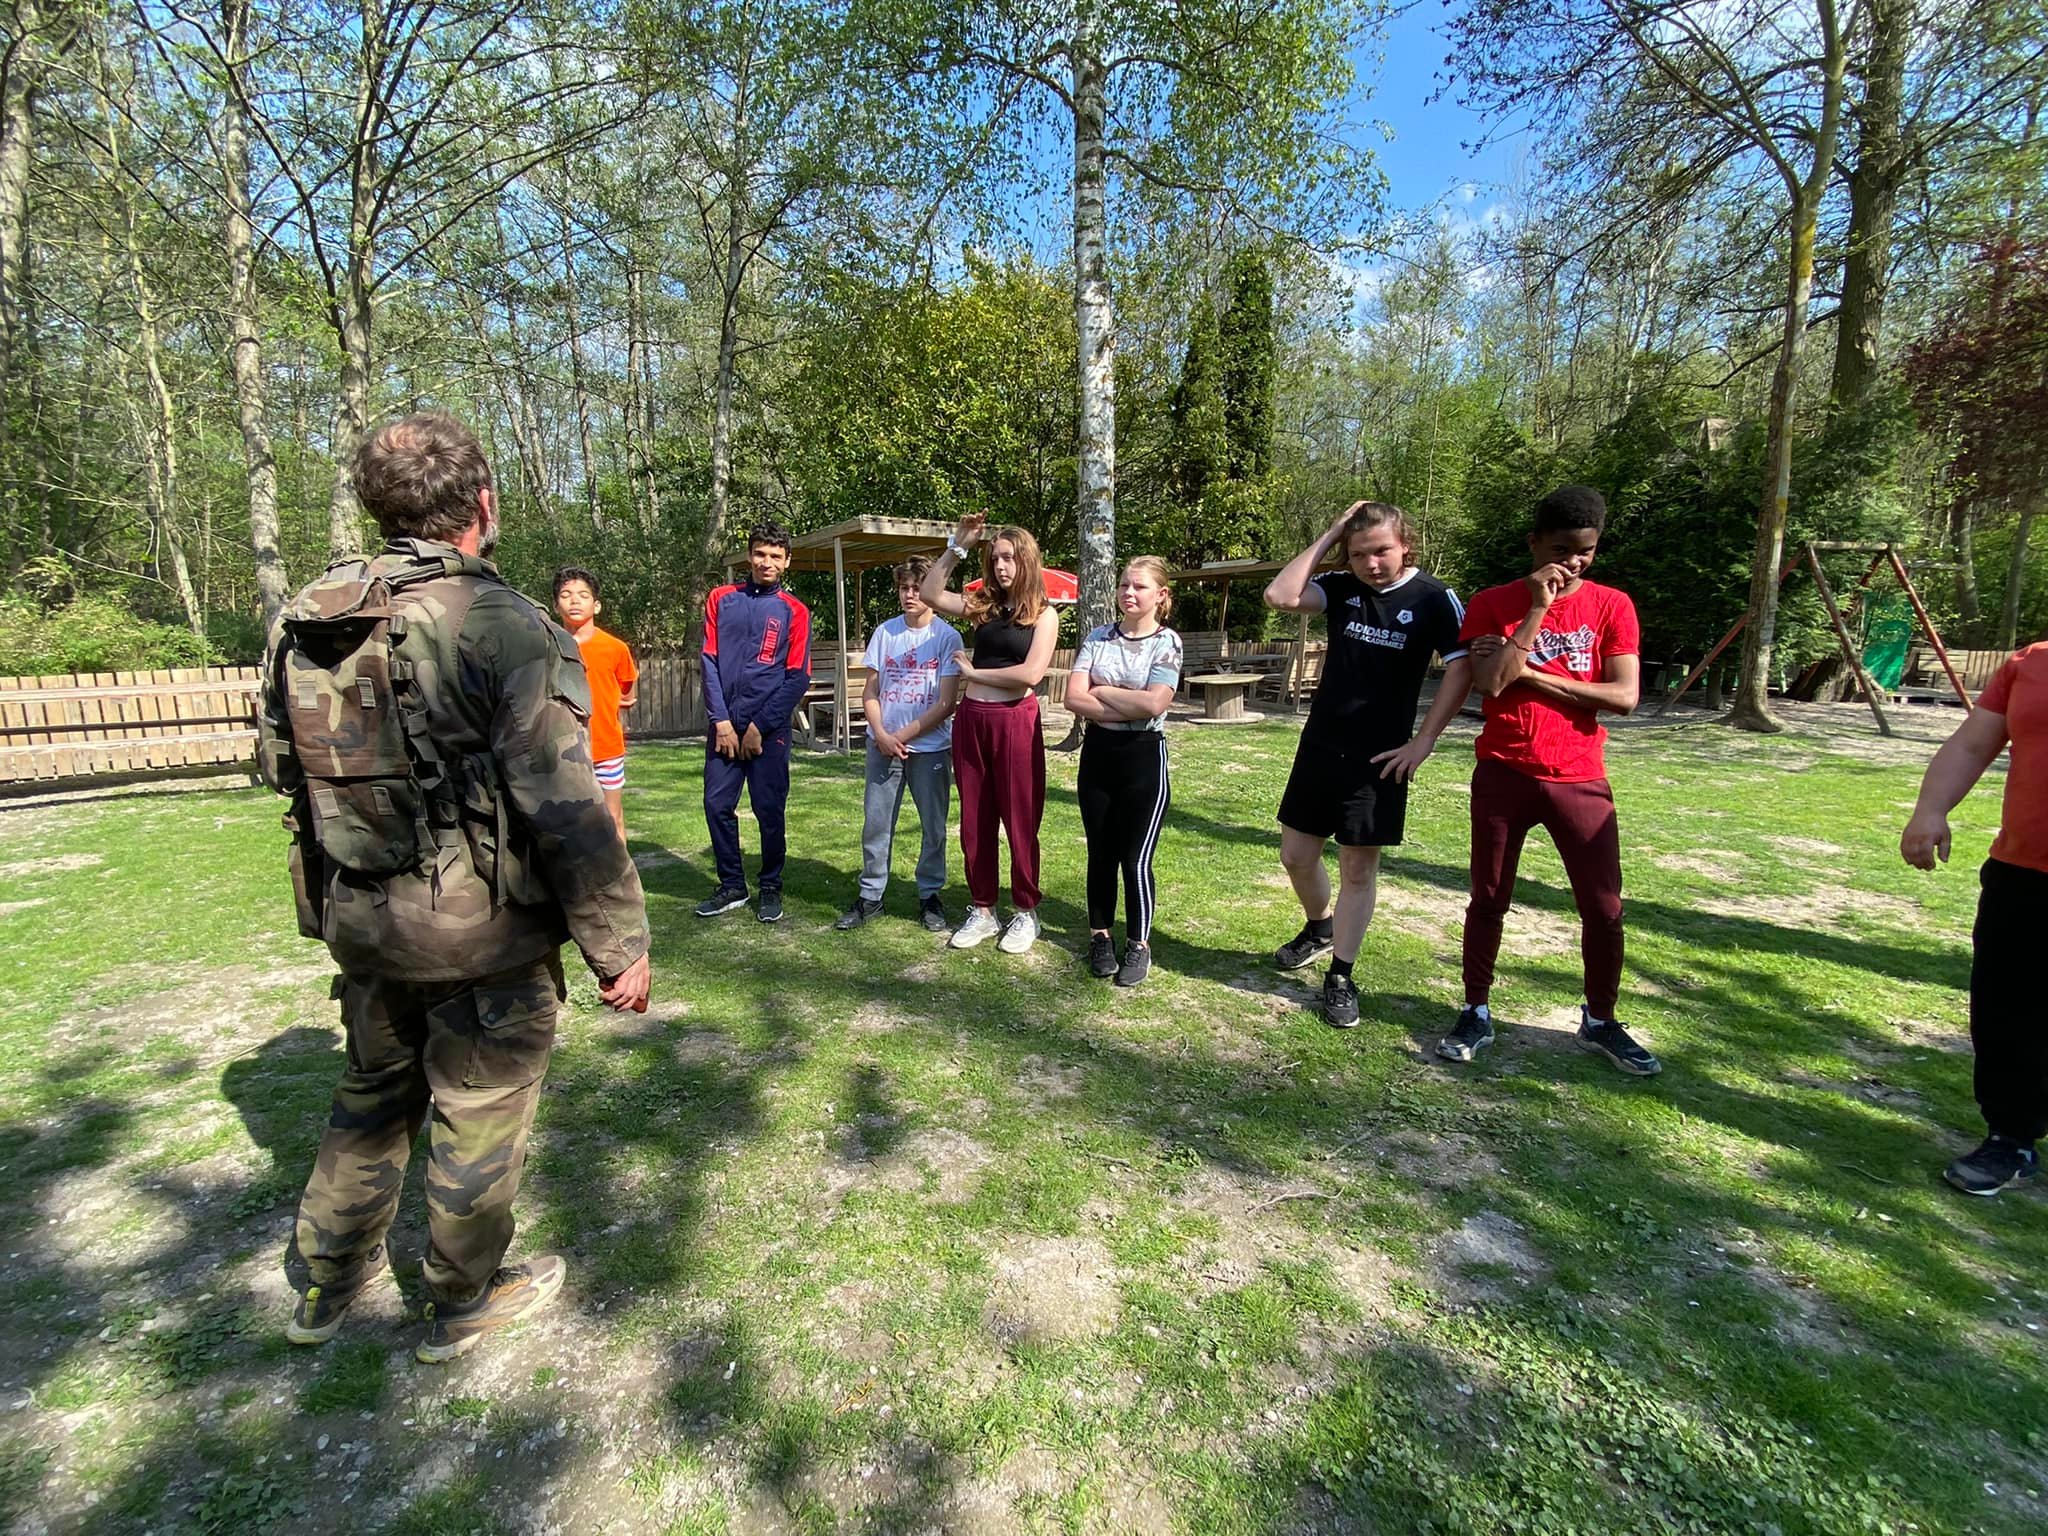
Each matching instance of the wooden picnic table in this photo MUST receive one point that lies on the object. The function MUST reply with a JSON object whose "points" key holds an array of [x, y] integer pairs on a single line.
{"points": [[1223, 693]]}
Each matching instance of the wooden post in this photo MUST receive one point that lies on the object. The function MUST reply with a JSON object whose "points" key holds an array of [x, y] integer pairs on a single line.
{"points": [[1223, 618], [1863, 678], [842, 731], [1927, 624]]}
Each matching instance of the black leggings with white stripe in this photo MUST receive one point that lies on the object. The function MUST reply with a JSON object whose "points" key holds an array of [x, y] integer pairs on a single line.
{"points": [[1124, 790]]}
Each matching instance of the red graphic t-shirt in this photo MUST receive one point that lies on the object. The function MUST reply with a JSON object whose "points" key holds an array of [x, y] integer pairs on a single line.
{"points": [[1543, 737], [2019, 691]]}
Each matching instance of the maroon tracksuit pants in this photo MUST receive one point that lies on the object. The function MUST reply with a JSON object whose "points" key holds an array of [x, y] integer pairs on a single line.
{"points": [[1580, 820], [999, 764]]}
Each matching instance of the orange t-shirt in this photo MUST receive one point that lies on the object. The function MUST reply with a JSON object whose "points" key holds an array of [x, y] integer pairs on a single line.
{"points": [[609, 666], [2019, 691]]}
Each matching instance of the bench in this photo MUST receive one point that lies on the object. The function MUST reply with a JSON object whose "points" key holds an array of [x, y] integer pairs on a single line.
{"points": [[98, 723]]}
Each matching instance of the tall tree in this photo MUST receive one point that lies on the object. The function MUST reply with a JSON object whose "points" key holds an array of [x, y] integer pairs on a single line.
{"points": [[1231, 105], [1751, 88], [1245, 340]]}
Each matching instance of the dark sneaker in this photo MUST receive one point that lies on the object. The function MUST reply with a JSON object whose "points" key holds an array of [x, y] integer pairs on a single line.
{"points": [[769, 908], [1340, 1002], [515, 1292], [1305, 948], [1137, 964], [861, 910], [317, 1318], [932, 913], [1101, 955], [724, 899], [1998, 1164], [1473, 1034], [1618, 1046]]}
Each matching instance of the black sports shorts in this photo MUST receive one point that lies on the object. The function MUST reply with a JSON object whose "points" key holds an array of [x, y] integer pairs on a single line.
{"points": [[1334, 793]]}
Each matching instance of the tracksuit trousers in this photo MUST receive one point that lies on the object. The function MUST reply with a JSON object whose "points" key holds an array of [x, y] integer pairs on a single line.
{"points": [[1580, 820], [766, 781], [1124, 789], [2007, 1027], [999, 761]]}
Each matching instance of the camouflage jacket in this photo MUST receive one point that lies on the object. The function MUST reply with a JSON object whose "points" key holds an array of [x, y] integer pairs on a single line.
{"points": [[526, 853]]}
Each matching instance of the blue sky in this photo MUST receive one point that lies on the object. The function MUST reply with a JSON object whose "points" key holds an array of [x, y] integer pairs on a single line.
{"points": [[1424, 160]]}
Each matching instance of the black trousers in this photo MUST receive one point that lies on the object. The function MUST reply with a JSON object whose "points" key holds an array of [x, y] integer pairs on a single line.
{"points": [[2007, 1025], [1124, 791]]}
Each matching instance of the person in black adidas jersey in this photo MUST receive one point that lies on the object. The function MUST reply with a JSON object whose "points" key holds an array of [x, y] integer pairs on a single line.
{"points": [[1360, 747]]}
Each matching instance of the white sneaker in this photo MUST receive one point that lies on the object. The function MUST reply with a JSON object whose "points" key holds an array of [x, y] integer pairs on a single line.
{"points": [[979, 925], [1020, 935]]}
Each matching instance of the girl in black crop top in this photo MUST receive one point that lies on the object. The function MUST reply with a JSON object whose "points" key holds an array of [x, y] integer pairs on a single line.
{"points": [[998, 743]]}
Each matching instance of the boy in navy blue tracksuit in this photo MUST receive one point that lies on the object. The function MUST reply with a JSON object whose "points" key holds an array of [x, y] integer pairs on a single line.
{"points": [[757, 664]]}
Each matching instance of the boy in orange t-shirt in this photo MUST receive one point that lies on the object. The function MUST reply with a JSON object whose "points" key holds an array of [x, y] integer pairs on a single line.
{"points": [[608, 664], [2006, 1027]]}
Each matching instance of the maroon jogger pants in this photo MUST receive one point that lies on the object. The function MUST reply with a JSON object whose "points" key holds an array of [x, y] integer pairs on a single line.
{"points": [[999, 764], [1580, 820]]}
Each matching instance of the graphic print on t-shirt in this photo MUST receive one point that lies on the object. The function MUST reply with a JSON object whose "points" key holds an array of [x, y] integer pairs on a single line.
{"points": [[1576, 646], [1542, 737], [1380, 643], [909, 664]]}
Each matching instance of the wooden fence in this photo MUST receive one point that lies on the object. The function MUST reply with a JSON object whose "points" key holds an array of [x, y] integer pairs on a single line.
{"points": [[94, 723]]}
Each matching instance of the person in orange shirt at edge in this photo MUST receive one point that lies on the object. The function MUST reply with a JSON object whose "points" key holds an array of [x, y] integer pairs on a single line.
{"points": [[614, 682], [1550, 652], [2006, 1026]]}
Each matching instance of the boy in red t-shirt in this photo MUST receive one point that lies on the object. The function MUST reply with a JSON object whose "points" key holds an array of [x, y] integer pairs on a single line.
{"points": [[2005, 988], [1549, 653], [614, 682]]}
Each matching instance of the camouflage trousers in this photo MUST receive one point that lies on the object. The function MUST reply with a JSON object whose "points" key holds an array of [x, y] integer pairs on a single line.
{"points": [[471, 1055]]}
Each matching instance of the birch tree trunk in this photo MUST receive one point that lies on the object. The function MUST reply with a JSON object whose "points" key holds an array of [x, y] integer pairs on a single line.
{"points": [[245, 345], [2016, 575], [640, 388], [577, 385], [1095, 323], [1752, 694], [28, 47], [717, 508]]}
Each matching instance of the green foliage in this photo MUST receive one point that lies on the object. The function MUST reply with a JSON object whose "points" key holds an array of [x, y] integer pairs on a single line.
{"points": [[1199, 442], [90, 633], [1247, 363]]}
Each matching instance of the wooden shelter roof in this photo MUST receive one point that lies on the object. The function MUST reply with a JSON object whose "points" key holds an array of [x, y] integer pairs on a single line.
{"points": [[1230, 570], [866, 542]]}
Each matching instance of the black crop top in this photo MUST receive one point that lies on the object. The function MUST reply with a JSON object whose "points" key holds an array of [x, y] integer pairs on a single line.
{"points": [[1001, 642]]}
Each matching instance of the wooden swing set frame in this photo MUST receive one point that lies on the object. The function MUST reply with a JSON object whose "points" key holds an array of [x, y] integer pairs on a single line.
{"points": [[1809, 555]]}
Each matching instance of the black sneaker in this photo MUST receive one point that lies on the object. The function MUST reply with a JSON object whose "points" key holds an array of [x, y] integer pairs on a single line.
{"points": [[1998, 1164], [1101, 955], [1618, 1046], [1137, 963], [861, 910], [724, 899], [1305, 948], [769, 908], [932, 913], [1472, 1034], [317, 1318], [1340, 1002]]}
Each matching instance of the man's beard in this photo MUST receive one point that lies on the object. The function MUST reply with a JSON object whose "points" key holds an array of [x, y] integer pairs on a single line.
{"points": [[487, 541]]}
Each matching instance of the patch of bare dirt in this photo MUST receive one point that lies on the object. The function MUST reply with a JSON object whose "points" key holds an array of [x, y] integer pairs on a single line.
{"points": [[1813, 845], [1051, 1289], [954, 1161], [1718, 864], [1485, 1250], [1044, 1082], [58, 864], [1435, 912], [1822, 908]]}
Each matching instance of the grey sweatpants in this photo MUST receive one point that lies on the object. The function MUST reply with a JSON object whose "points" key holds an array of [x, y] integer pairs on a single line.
{"points": [[930, 777]]}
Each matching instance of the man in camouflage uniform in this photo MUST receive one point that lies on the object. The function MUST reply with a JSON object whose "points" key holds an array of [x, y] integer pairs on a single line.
{"points": [[451, 969]]}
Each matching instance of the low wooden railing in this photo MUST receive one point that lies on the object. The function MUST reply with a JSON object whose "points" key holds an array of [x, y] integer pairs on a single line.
{"points": [[89, 724]]}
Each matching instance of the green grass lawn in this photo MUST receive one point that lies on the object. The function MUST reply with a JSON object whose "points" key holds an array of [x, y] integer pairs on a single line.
{"points": [[869, 1235]]}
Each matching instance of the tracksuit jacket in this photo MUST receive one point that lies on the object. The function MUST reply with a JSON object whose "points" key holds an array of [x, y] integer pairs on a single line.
{"points": [[757, 656]]}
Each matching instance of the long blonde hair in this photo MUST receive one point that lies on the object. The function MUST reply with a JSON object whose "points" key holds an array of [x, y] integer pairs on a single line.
{"points": [[1159, 571], [1025, 596]]}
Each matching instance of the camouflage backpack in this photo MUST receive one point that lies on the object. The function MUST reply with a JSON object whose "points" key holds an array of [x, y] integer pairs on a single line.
{"points": [[358, 724]]}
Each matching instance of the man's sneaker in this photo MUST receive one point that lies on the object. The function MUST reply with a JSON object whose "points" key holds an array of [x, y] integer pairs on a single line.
{"points": [[317, 1317], [769, 907], [724, 899], [1020, 935], [861, 910], [1340, 1002], [1101, 955], [981, 924], [1473, 1034], [1618, 1046], [1305, 948], [515, 1292], [1137, 964], [932, 913], [1998, 1164]]}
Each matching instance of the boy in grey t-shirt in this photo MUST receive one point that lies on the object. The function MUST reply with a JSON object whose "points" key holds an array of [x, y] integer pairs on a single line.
{"points": [[912, 687]]}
